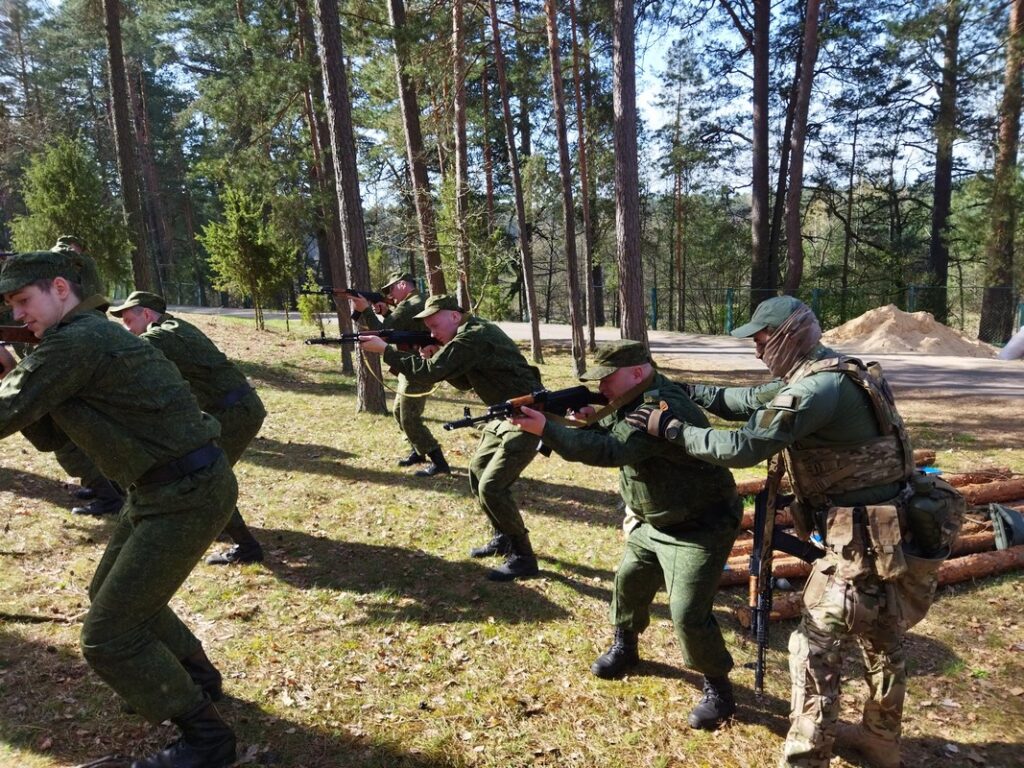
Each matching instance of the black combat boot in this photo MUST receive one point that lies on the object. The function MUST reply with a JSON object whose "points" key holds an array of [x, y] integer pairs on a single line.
{"points": [[620, 658], [717, 704], [437, 465], [521, 563], [500, 544], [107, 499], [204, 674], [246, 549], [206, 742], [85, 493], [412, 458]]}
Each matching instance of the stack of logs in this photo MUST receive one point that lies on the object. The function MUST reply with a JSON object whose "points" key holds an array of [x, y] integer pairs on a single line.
{"points": [[974, 554]]}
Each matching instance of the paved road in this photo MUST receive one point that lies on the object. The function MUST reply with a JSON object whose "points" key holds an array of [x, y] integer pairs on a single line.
{"points": [[975, 377]]}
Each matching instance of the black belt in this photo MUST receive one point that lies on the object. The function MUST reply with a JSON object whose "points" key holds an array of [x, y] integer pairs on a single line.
{"points": [[230, 398], [198, 459]]}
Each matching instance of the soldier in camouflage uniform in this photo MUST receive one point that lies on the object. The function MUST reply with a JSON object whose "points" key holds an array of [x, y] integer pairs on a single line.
{"points": [[400, 291], [682, 516], [849, 459], [476, 354], [127, 407], [220, 389]]}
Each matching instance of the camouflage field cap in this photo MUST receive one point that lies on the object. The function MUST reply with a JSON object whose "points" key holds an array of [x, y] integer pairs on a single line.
{"points": [[396, 277], [770, 313], [143, 299], [20, 269], [439, 303], [68, 242], [612, 355]]}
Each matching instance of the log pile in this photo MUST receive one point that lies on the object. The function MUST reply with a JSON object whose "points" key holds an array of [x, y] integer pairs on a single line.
{"points": [[974, 555]]}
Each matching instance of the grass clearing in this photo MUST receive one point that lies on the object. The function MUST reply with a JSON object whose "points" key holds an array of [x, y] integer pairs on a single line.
{"points": [[370, 639]]}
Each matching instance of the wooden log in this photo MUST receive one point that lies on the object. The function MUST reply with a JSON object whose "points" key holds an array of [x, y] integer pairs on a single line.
{"points": [[978, 476], [998, 491], [978, 539], [783, 519], [924, 457], [953, 571], [788, 567]]}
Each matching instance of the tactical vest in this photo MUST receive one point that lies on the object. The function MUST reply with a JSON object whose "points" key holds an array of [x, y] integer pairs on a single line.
{"points": [[818, 473]]}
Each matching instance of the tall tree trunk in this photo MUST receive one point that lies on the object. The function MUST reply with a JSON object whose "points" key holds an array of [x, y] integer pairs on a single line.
{"points": [[485, 137], [579, 352], [936, 299], [517, 188], [159, 224], [369, 390], [142, 266], [776, 226], [416, 154], [848, 224], [582, 140], [323, 169], [794, 192], [627, 182], [461, 155], [997, 306], [523, 83]]}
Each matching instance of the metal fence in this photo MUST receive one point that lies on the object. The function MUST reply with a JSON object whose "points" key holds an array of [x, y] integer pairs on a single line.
{"points": [[717, 310]]}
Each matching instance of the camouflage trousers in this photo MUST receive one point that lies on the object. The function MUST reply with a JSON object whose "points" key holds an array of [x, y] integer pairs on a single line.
{"points": [[835, 608], [77, 464], [409, 415], [502, 455], [130, 636], [239, 425]]}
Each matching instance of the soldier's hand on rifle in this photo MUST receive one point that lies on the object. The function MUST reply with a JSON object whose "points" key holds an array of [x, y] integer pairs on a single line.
{"points": [[374, 344], [582, 414], [382, 308], [358, 302], [7, 361], [529, 420], [657, 420], [429, 351]]}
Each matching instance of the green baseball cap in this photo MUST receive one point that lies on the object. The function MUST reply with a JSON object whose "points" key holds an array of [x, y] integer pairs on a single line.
{"points": [[20, 269], [143, 299], [770, 313], [396, 277], [439, 303], [612, 355]]}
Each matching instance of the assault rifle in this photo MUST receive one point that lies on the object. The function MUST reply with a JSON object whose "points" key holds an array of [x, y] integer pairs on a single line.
{"points": [[768, 539], [398, 338], [557, 402], [17, 334], [371, 296]]}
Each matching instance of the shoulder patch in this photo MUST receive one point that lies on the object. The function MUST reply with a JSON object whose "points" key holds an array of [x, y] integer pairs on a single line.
{"points": [[785, 402]]}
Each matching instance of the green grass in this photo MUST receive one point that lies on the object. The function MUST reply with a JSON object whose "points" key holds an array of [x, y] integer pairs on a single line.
{"points": [[370, 639]]}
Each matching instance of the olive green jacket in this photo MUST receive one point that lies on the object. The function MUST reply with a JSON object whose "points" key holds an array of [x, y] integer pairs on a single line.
{"points": [[209, 373], [402, 317], [481, 357], [825, 409], [658, 481], [115, 396]]}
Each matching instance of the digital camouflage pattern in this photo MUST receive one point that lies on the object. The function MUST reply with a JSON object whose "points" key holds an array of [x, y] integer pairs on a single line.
{"points": [[408, 411], [481, 357], [129, 410], [681, 540]]}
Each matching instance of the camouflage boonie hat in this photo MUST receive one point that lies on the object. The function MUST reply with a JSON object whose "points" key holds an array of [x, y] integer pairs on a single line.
{"points": [[439, 303], [68, 243], [396, 277], [770, 313], [20, 269], [143, 299], [612, 355]]}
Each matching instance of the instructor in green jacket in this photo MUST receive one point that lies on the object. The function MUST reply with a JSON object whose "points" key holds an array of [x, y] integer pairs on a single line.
{"points": [[682, 517], [129, 410], [219, 387]]}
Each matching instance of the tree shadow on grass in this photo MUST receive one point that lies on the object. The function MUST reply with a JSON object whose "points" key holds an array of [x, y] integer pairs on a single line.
{"points": [[411, 585], [305, 376], [33, 486], [64, 711]]}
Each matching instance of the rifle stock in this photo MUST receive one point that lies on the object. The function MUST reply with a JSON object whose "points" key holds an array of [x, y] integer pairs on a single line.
{"points": [[552, 401], [17, 334], [371, 296]]}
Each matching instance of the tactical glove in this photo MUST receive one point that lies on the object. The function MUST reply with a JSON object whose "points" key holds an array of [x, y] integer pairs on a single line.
{"points": [[656, 420]]}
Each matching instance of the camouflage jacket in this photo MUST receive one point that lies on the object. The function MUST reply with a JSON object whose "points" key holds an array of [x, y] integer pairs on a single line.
{"points": [[115, 396], [658, 481], [825, 410], [402, 317], [209, 373], [481, 357]]}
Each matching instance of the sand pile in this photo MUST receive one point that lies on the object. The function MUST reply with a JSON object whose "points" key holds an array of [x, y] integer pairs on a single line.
{"points": [[888, 330]]}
